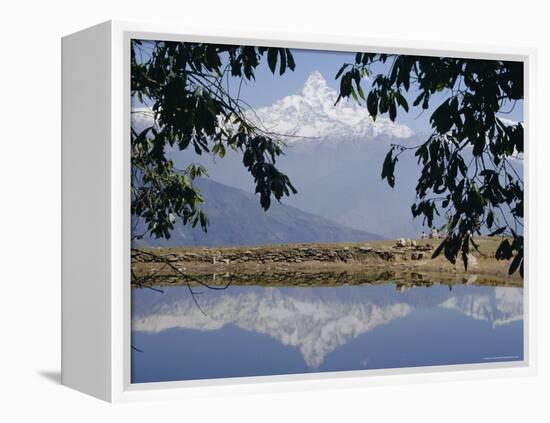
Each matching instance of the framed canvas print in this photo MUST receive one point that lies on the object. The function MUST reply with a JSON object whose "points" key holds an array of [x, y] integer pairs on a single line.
{"points": [[258, 212]]}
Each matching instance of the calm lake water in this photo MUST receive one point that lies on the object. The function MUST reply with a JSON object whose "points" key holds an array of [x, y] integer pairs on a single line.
{"points": [[253, 330]]}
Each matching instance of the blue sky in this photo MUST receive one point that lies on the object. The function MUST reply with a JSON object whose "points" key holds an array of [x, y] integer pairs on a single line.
{"points": [[268, 88]]}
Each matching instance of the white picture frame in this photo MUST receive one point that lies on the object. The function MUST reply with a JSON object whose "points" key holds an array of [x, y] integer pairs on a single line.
{"points": [[96, 226]]}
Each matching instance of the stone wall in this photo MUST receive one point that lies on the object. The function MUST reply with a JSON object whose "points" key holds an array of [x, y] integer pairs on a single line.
{"points": [[292, 254]]}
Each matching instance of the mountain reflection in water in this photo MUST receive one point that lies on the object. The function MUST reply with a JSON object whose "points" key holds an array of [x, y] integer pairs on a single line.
{"points": [[252, 330]]}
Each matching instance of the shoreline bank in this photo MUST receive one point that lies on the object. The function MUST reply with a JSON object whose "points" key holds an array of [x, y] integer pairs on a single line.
{"points": [[307, 264]]}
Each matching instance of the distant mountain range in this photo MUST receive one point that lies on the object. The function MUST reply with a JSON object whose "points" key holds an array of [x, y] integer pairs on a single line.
{"points": [[236, 218], [333, 156]]}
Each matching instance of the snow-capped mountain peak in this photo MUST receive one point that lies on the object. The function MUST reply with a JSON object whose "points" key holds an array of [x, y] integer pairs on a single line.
{"points": [[312, 114], [316, 88]]}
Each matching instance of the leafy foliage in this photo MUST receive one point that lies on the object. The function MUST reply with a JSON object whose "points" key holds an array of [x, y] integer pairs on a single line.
{"points": [[186, 86], [467, 171]]}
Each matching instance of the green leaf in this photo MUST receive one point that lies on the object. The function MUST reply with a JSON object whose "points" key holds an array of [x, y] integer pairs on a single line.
{"points": [[498, 231], [272, 59], [354, 94], [219, 149], [465, 251], [383, 103], [345, 85], [518, 259], [439, 249], [204, 220], [393, 111], [360, 91], [290, 60], [342, 69], [504, 251], [402, 102], [283, 61], [418, 99], [490, 218], [388, 168], [372, 104], [521, 268]]}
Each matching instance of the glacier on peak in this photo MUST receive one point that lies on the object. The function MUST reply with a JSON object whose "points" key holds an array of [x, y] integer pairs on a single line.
{"points": [[312, 114]]}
